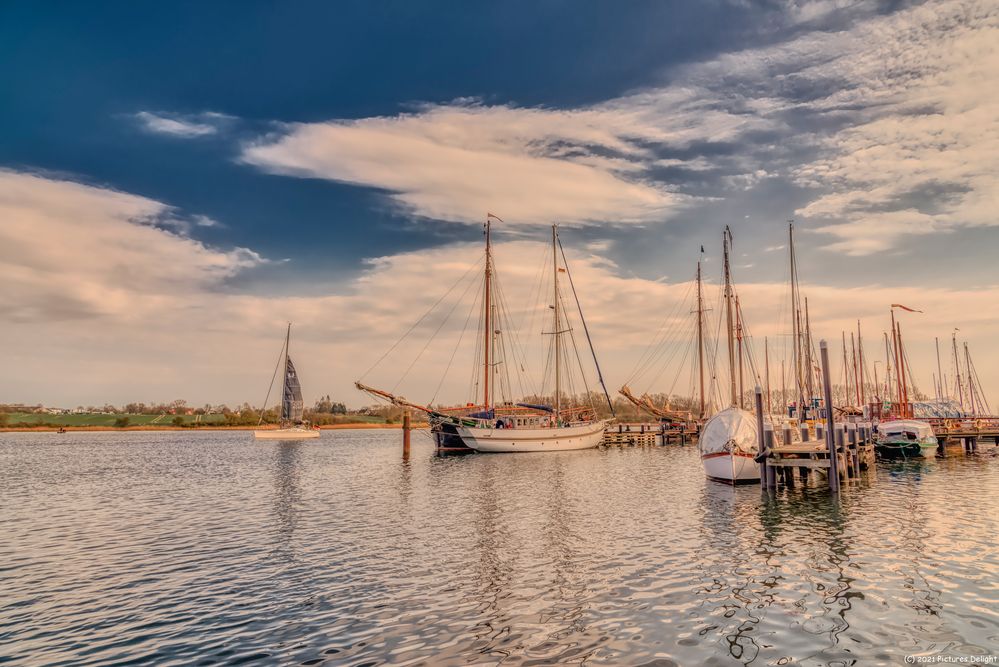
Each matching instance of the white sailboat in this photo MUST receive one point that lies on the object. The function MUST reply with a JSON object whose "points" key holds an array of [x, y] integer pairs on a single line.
{"points": [[507, 427], [292, 406], [729, 441]]}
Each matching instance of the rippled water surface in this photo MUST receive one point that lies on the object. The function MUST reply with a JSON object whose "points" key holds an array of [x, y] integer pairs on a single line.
{"points": [[212, 548]]}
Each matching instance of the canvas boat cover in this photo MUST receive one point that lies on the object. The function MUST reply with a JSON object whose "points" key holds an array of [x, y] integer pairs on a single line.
{"points": [[292, 405], [731, 430]]}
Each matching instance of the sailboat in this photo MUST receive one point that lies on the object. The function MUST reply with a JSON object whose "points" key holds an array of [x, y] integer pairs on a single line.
{"points": [[900, 434], [292, 406], [729, 441], [513, 427]]}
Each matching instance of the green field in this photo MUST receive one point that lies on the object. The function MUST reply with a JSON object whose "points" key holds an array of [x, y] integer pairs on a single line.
{"points": [[94, 419]]}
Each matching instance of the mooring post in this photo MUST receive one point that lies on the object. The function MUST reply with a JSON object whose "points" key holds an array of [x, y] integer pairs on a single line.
{"points": [[819, 434], [406, 427], [804, 432], [830, 423], [761, 438]]}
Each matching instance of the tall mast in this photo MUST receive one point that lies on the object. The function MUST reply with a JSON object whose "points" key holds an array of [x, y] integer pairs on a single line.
{"points": [[726, 239], [860, 356], [284, 370], [738, 337], [902, 372], [487, 303], [898, 368], [557, 330], [957, 368], [846, 373], [766, 365], [700, 336], [940, 384], [808, 354], [888, 366], [795, 318], [856, 381], [971, 387]]}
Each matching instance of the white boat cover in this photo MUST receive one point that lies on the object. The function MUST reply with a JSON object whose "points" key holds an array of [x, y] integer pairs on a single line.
{"points": [[731, 430], [921, 430]]}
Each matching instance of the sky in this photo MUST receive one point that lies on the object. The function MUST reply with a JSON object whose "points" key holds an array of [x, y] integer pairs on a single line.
{"points": [[179, 180]]}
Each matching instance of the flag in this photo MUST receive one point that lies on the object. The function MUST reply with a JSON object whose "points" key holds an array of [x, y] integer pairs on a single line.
{"points": [[561, 270], [911, 310], [490, 215]]}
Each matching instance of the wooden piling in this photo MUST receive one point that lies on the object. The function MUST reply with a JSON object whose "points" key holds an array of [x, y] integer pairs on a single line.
{"points": [[771, 472], [761, 438], [406, 428], [830, 423]]}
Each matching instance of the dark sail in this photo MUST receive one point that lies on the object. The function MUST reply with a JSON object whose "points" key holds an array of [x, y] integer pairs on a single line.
{"points": [[292, 406]]}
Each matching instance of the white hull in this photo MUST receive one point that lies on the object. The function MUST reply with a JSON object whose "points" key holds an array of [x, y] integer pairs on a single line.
{"points": [[731, 469], [286, 434], [584, 436]]}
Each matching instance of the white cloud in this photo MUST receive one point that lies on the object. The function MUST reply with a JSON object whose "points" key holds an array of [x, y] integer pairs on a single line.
{"points": [[455, 162], [181, 126], [70, 251]]}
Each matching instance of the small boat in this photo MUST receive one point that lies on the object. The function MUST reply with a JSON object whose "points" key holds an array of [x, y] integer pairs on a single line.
{"points": [[905, 437], [292, 427], [61, 430]]}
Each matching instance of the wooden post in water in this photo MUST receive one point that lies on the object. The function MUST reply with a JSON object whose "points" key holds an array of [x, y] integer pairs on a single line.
{"points": [[761, 438], [768, 438], [830, 424], [406, 428]]}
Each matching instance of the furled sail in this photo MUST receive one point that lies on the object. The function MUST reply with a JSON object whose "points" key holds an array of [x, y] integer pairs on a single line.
{"points": [[292, 405]]}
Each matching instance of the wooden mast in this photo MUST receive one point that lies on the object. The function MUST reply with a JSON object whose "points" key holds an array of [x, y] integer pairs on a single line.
{"points": [[726, 239], [856, 380], [860, 356], [846, 373], [957, 368], [809, 366], [898, 369], [700, 336], [738, 338], [971, 389], [795, 319], [557, 330], [940, 383], [487, 333], [766, 365], [902, 373]]}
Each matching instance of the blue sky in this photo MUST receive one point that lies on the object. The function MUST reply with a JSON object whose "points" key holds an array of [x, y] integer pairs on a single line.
{"points": [[279, 150]]}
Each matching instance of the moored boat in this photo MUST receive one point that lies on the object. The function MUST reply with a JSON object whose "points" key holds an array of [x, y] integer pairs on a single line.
{"points": [[501, 425], [905, 437]]}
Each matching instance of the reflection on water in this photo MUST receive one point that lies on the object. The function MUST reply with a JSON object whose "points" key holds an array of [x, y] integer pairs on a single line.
{"points": [[173, 548]]}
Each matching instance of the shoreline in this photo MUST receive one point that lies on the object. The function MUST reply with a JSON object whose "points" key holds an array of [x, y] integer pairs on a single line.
{"points": [[326, 427]]}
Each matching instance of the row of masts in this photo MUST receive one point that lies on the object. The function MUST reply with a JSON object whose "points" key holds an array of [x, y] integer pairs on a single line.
{"points": [[897, 376]]}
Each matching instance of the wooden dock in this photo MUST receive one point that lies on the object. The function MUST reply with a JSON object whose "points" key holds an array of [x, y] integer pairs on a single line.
{"points": [[645, 434], [854, 446]]}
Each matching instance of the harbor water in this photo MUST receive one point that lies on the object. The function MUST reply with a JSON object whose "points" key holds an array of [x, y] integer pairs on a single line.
{"points": [[185, 548]]}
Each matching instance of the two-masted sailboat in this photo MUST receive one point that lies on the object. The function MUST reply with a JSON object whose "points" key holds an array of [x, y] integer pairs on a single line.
{"points": [[504, 426], [729, 441], [292, 406]]}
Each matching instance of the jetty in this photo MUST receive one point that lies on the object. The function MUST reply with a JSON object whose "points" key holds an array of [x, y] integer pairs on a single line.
{"points": [[648, 434]]}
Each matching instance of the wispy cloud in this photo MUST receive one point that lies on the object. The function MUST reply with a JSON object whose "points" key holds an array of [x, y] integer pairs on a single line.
{"points": [[179, 125], [70, 251]]}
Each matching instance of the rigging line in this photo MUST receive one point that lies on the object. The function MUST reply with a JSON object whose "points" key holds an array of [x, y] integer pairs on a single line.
{"points": [[457, 345], [432, 336], [586, 330], [277, 366], [513, 343], [579, 361], [422, 317], [473, 386], [518, 349], [660, 336]]}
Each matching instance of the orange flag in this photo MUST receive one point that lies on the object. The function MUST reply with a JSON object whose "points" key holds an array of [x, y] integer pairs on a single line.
{"points": [[911, 310]]}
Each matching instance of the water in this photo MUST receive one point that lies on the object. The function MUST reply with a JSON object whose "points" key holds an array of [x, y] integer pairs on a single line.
{"points": [[211, 548]]}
